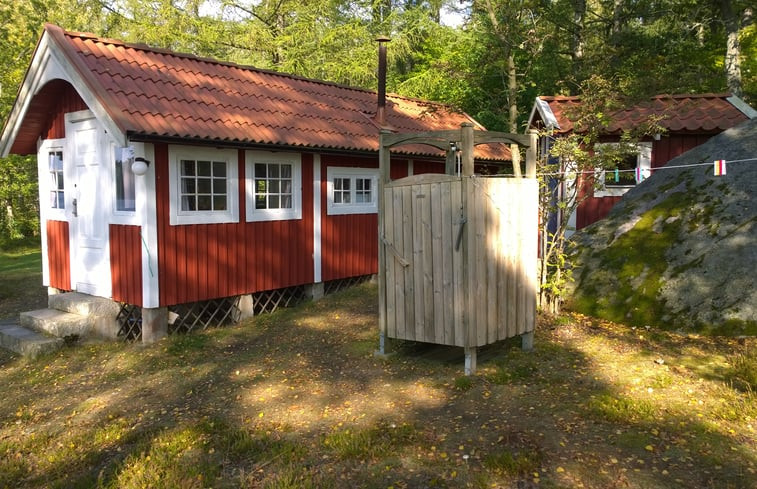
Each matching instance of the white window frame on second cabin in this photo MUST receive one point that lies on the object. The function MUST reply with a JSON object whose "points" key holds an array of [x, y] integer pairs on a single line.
{"points": [[273, 160], [353, 175], [48, 180], [181, 217], [643, 161]]}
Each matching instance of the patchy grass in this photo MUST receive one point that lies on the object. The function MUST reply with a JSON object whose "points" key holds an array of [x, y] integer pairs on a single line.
{"points": [[297, 400], [21, 284]]}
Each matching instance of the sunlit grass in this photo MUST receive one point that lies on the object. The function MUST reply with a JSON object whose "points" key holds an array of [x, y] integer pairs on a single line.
{"points": [[296, 399]]}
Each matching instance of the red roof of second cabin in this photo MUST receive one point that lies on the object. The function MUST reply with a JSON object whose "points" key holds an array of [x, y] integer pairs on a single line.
{"points": [[157, 93], [702, 113]]}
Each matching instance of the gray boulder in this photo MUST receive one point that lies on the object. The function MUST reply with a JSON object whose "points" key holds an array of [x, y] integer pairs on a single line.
{"points": [[679, 251]]}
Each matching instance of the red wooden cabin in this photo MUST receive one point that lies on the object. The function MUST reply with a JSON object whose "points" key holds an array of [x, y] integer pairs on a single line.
{"points": [[689, 120], [167, 179]]}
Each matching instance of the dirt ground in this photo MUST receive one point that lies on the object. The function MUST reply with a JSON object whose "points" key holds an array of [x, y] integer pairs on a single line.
{"points": [[298, 399]]}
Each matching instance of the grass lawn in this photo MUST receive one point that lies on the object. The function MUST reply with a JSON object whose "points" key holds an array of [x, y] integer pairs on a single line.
{"points": [[21, 280], [296, 399]]}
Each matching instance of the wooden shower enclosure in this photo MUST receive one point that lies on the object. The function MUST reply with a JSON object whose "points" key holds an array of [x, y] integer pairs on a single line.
{"points": [[458, 253]]}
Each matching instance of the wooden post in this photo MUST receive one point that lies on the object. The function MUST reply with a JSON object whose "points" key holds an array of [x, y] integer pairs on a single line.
{"points": [[467, 148], [384, 167], [450, 163], [531, 153]]}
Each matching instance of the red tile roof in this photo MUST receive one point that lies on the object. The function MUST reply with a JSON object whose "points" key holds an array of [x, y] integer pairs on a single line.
{"points": [[157, 93], [705, 113]]}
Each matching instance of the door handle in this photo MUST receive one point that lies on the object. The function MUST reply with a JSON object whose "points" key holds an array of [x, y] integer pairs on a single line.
{"points": [[75, 212]]}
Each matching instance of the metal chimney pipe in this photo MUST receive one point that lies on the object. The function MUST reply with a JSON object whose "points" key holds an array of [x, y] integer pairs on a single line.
{"points": [[381, 109]]}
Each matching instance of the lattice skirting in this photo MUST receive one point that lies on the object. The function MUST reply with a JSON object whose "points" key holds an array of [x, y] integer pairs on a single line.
{"points": [[340, 284], [184, 318]]}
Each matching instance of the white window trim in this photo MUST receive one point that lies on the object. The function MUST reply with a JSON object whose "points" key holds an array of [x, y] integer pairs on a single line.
{"points": [[643, 161], [333, 172], [179, 217], [47, 212], [256, 215]]}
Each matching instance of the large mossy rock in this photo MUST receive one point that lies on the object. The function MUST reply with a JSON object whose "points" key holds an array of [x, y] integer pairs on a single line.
{"points": [[679, 251]]}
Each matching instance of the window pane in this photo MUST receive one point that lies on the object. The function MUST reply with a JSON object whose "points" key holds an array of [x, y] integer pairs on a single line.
{"points": [[60, 180], [273, 201], [274, 187], [188, 203], [203, 185], [260, 202], [337, 184], [188, 186], [204, 203], [260, 186], [286, 171], [337, 197], [219, 169], [286, 201], [61, 202], [219, 203], [346, 197], [187, 168], [203, 168], [260, 170], [54, 200], [273, 171], [219, 186]]}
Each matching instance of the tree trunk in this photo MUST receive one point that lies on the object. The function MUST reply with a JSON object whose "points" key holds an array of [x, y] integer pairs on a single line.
{"points": [[577, 42], [732, 48], [512, 101]]}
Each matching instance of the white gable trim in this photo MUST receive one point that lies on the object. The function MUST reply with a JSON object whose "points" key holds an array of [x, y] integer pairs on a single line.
{"points": [[546, 114], [50, 63], [744, 107]]}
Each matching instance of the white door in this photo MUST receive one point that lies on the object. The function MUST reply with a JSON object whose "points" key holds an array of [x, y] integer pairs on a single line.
{"points": [[90, 256]]}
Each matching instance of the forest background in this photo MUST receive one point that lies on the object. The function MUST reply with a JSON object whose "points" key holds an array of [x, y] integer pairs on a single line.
{"points": [[489, 58]]}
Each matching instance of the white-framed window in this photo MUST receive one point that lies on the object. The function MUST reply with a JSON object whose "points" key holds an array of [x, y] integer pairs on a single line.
{"points": [[631, 171], [57, 185], [273, 186], [124, 180], [53, 178], [203, 185], [352, 190]]}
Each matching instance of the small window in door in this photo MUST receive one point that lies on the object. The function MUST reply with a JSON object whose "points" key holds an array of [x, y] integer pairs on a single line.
{"points": [[125, 189], [55, 168]]}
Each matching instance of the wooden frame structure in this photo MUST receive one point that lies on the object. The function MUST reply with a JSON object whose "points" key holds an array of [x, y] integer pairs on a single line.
{"points": [[457, 253]]}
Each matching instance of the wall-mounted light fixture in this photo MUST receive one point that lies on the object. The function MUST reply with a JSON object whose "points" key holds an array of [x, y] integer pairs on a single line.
{"points": [[140, 166]]}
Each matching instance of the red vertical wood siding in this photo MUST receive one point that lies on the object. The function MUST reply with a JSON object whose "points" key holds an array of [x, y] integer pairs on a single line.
{"points": [[420, 167], [200, 262], [668, 147], [58, 255], [126, 263], [68, 100], [349, 243]]}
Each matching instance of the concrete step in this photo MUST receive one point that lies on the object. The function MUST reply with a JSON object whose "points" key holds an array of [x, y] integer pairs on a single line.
{"points": [[25, 341], [83, 304], [56, 323]]}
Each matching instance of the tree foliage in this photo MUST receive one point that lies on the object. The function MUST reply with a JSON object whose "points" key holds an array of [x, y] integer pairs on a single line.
{"points": [[492, 65]]}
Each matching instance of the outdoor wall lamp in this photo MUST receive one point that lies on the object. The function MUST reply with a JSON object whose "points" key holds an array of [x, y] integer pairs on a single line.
{"points": [[140, 166]]}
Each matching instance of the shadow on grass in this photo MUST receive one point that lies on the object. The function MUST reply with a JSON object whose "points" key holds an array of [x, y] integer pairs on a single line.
{"points": [[296, 399]]}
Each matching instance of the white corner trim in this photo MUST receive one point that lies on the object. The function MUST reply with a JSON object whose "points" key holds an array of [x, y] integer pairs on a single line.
{"points": [[146, 210], [317, 251]]}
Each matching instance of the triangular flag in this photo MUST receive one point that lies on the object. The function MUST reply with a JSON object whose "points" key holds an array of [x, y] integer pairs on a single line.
{"points": [[719, 168]]}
